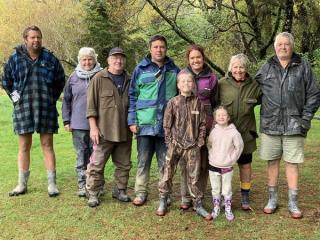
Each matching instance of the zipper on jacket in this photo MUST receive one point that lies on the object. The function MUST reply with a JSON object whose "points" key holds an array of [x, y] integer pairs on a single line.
{"points": [[281, 102]]}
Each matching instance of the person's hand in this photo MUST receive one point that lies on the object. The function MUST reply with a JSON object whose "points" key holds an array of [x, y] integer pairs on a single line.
{"points": [[95, 135], [134, 129], [167, 140], [67, 128], [201, 143], [305, 125]]}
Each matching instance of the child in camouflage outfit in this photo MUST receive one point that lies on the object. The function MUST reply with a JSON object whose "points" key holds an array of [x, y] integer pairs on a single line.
{"points": [[185, 131]]}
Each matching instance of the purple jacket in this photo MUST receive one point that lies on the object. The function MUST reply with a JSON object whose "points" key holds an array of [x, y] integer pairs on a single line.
{"points": [[74, 104], [206, 90]]}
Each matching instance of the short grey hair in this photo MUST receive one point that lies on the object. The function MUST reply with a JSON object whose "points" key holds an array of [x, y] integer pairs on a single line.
{"points": [[286, 35], [87, 52], [242, 58]]}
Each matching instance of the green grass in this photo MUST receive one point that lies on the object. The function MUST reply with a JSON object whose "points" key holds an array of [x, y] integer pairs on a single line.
{"points": [[36, 216]]}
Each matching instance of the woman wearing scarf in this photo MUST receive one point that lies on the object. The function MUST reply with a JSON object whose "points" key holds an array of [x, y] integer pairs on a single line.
{"points": [[74, 108]]}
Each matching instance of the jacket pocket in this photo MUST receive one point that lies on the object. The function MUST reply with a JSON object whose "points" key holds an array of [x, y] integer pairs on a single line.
{"points": [[295, 81], [148, 89], [248, 106], [146, 116], [148, 80], [48, 72], [296, 124], [268, 122], [107, 99]]}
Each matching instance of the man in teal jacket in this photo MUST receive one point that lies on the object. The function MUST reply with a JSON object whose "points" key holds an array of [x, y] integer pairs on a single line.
{"points": [[153, 84]]}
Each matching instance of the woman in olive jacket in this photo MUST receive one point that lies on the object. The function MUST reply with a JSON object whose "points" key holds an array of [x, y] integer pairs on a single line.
{"points": [[239, 93]]}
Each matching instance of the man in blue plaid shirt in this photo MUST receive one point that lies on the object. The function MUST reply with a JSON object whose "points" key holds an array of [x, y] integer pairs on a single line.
{"points": [[34, 79]]}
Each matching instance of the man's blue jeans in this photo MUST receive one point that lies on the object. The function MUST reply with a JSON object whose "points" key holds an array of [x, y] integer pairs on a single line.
{"points": [[147, 146]]}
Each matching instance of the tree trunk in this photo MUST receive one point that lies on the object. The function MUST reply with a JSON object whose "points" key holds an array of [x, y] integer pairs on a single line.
{"points": [[253, 18], [287, 26]]}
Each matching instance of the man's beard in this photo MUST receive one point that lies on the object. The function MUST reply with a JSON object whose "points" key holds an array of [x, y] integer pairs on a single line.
{"points": [[35, 49]]}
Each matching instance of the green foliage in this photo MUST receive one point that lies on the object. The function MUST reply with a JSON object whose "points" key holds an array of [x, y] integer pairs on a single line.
{"points": [[314, 59], [100, 28], [102, 24], [105, 23]]}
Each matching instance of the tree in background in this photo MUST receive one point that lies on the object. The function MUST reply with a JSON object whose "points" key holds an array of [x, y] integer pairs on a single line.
{"points": [[106, 23], [222, 27], [59, 20], [248, 26]]}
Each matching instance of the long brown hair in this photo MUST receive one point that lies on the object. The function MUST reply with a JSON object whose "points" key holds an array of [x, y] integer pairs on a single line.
{"points": [[194, 47]]}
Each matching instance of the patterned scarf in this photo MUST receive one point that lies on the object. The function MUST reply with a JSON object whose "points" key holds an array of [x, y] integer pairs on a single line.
{"points": [[83, 74]]}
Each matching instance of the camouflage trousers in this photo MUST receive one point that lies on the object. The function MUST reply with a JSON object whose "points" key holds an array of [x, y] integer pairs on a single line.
{"points": [[203, 176], [192, 168]]}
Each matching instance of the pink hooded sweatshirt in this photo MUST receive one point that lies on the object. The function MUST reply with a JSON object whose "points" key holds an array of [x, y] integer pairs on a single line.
{"points": [[225, 146]]}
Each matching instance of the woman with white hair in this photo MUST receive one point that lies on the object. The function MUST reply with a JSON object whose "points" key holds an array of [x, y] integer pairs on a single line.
{"points": [[239, 94], [74, 108]]}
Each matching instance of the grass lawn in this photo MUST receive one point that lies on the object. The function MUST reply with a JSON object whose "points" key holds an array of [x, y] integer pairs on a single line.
{"points": [[36, 216]]}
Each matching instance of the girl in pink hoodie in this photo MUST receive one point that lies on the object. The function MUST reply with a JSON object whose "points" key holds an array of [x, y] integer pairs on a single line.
{"points": [[225, 146]]}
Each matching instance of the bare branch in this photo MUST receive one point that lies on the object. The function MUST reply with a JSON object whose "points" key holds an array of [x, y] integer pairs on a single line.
{"points": [[69, 62], [203, 3], [233, 8], [180, 33], [191, 3], [177, 10], [171, 23], [247, 33], [288, 21], [243, 38], [263, 51], [231, 26], [137, 12]]}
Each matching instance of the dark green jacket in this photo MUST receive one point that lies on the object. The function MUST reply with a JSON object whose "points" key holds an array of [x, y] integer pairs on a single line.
{"points": [[240, 102]]}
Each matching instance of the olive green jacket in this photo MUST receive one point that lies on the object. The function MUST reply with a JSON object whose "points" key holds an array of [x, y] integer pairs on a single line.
{"points": [[240, 101], [109, 107]]}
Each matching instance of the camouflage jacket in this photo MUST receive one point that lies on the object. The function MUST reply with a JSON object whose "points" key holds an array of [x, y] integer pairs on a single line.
{"points": [[185, 122]]}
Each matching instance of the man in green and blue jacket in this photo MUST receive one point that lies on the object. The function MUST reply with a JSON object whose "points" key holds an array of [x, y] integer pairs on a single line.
{"points": [[153, 84]]}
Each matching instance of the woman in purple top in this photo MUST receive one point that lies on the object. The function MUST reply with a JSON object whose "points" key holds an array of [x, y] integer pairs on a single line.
{"points": [[206, 90], [74, 109]]}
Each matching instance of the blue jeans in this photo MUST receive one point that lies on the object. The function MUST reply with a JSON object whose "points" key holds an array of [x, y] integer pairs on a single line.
{"points": [[83, 147], [147, 146]]}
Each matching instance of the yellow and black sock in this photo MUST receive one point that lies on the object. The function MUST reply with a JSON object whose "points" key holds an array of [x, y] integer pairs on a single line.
{"points": [[245, 187]]}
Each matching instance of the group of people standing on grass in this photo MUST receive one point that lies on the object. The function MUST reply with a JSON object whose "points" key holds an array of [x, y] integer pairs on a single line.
{"points": [[185, 117]]}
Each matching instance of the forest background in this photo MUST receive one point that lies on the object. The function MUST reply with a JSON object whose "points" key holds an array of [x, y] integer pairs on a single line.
{"points": [[223, 28]]}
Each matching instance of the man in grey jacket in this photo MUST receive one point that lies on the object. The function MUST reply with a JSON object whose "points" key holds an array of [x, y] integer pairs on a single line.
{"points": [[290, 98]]}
